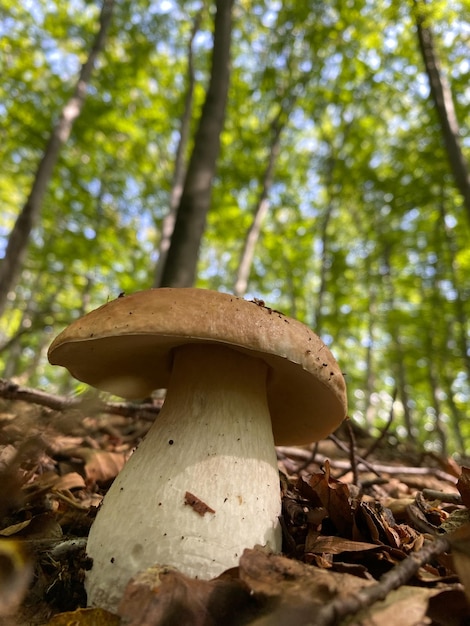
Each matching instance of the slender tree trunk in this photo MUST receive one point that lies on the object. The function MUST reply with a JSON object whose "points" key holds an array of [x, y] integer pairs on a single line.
{"points": [[457, 417], [442, 97], [325, 266], [397, 347], [434, 388], [179, 173], [340, 139], [370, 375], [460, 314], [261, 209], [402, 389], [326, 260], [290, 289], [181, 263], [15, 254], [31, 323]]}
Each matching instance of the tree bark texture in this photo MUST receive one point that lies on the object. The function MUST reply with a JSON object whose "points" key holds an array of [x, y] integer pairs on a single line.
{"points": [[181, 263], [18, 240], [442, 97]]}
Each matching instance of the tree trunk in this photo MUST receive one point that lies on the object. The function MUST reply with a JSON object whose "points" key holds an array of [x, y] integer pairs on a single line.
{"points": [[179, 173], [460, 314], [434, 389], [326, 257], [261, 209], [181, 263], [19, 237], [402, 389], [396, 347], [457, 417], [442, 97], [370, 374]]}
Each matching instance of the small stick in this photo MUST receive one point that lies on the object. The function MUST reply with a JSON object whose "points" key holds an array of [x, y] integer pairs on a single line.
{"points": [[12, 391], [342, 446], [376, 468], [333, 612], [352, 446], [434, 494]]}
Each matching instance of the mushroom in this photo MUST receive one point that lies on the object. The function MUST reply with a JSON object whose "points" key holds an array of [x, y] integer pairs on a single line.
{"points": [[204, 483]]}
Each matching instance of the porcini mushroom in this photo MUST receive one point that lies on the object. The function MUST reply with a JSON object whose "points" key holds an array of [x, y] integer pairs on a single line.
{"points": [[204, 484]]}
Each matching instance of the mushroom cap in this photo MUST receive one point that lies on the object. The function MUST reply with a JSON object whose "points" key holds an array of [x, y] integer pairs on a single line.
{"points": [[125, 347]]}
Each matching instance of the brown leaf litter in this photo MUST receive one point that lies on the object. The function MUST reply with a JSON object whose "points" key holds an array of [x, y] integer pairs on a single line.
{"points": [[361, 543]]}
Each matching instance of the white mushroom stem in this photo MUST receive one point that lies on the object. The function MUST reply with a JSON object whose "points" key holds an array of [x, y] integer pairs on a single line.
{"points": [[213, 440]]}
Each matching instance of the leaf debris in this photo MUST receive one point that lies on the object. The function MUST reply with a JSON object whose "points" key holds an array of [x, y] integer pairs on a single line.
{"points": [[196, 504]]}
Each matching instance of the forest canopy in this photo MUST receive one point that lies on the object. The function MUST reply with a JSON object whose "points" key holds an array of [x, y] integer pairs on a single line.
{"points": [[340, 193]]}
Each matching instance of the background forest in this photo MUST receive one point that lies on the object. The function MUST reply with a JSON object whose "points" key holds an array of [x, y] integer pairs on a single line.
{"points": [[330, 180]]}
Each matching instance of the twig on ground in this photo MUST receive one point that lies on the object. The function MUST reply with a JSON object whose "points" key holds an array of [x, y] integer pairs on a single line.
{"points": [[376, 468], [352, 452], [450, 498], [311, 458], [342, 606], [12, 391], [358, 460]]}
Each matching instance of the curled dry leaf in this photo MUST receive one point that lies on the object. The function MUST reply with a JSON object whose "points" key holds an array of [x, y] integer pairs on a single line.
{"points": [[335, 498]]}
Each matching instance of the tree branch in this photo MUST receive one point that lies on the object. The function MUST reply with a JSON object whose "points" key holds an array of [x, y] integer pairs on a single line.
{"points": [[11, 391]]}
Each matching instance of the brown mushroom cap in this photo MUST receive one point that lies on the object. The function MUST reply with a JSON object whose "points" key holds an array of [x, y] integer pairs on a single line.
{"points": [[125, 347]]}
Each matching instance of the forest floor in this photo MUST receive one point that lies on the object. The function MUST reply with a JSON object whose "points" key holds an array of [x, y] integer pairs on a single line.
{"points": [[373, 534]]}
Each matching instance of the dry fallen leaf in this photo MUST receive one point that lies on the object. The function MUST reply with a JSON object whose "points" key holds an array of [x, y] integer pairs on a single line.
{"points": [[438, 608], [405, 606], [200, 507], [335, 498], [460, 542], [279, 577], [71, 480], [85, 617], [100, 465], [298, 593], [162, 595], [337, 545], [42, 526]]}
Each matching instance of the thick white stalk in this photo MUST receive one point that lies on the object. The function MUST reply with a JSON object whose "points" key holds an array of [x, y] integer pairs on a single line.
{"points": [[213, 440]]}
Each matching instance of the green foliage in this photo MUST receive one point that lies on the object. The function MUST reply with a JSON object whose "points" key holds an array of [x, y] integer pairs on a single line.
{"points": [[366, 238]]}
